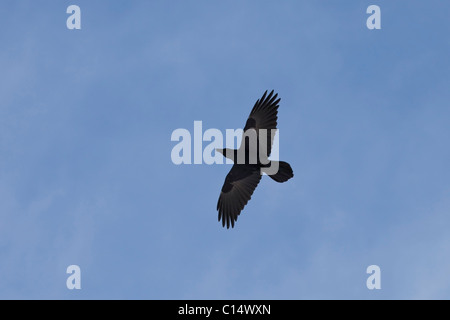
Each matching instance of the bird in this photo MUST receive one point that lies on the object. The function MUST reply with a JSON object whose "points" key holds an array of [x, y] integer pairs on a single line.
{"points": [[251, 160]]}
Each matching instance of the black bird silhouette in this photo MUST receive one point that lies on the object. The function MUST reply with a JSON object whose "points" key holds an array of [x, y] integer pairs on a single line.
{"points": [[251, 160]]}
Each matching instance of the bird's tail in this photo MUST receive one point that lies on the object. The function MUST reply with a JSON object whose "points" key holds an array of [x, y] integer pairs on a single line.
{"points": [[284, 171]]}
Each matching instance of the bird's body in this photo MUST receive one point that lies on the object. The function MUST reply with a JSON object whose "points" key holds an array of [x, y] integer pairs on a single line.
{"points": [[251, 160]]}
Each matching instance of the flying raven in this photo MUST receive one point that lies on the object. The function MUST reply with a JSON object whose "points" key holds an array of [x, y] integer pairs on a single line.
{"points": [[251, 160]]}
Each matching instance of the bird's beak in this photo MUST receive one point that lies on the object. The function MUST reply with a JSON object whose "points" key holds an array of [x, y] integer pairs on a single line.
{"points": [[219, 150]]}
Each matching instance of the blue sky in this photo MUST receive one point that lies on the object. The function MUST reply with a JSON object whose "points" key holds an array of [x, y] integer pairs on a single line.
{"points": [[86, 176]]}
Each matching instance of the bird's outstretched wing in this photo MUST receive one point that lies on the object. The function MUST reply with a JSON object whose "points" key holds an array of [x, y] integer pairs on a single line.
{"points": [[264, 116], [237, 190]]}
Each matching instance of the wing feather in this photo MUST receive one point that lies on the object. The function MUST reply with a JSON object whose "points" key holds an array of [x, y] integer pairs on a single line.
{"points": [[264, 115], [237, 190]]}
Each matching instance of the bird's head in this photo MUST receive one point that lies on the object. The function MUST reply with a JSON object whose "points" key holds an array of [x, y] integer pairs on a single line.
{"points": [[227, 153]]}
